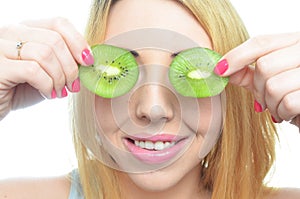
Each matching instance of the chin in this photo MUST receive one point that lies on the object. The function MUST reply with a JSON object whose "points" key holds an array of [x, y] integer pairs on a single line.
{"points": [[169, 177], [155, 181]]}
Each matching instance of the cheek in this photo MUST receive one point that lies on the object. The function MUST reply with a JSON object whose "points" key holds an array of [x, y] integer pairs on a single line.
{"points": [[211, 123], [104, 115], [203, 115], [210, 111]]}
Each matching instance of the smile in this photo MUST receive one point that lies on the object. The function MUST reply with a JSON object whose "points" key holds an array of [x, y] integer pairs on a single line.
{"points": [[156, 149], [157, 146]]}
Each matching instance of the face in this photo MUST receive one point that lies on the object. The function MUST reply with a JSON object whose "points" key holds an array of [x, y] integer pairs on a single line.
{"points": [[180, 129]]}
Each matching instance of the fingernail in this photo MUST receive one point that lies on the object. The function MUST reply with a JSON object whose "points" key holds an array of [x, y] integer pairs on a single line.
{"points": [[87, 57], [274, 120], [53, 94], [64, 92], [257, 107], [221, 67], [76, 86]]}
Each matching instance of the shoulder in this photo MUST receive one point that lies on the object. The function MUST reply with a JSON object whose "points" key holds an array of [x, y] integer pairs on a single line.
{"points": [[35, 188], [283, 193]]}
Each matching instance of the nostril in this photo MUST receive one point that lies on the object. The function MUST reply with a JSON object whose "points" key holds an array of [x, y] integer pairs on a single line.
{"points": [[152, 103], [153, 114], [157, 113]]}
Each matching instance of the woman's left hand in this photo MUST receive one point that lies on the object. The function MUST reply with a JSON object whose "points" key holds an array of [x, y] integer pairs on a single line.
{"points": [[275, 79]]}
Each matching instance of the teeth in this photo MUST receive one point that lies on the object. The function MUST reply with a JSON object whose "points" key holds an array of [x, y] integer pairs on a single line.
{"points": [[167, 144], [142, 145], [149, 145], [158, 146]]}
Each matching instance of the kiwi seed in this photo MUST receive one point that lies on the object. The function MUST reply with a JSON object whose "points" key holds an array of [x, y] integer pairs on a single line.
{"points": [[114, 73], [192, 73]]}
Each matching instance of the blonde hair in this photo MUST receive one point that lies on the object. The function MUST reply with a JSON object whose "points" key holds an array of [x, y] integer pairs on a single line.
{"points": [[238, 164]]}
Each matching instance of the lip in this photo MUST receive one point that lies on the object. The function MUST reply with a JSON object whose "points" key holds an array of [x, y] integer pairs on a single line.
{"points": [[152, 156], [155, 138]]}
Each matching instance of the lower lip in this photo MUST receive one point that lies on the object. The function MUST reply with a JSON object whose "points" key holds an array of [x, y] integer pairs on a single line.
{"points": [[154, 157]]}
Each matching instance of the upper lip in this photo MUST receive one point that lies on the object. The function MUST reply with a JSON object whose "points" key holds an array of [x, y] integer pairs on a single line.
{"points": [[157, 137]]}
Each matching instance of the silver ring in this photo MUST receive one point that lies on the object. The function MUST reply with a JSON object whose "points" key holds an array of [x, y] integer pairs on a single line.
{"points": [[19, 47]]}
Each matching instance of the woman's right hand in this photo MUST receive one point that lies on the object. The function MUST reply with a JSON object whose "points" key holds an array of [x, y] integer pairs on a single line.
{"points": [[43, 66]]}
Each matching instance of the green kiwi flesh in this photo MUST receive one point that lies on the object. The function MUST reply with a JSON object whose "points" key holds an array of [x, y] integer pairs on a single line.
{"points": [[114, 73], [192, 73]]}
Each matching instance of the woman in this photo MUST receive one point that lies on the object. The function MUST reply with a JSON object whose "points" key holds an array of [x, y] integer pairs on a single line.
{"points": [[234, 167]]}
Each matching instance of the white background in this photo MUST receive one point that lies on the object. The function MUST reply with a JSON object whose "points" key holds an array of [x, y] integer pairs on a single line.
{"points": [[37, 142]]}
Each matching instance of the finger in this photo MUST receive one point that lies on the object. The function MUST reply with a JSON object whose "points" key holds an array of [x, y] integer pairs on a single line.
{"points": [[254, 48], [41, 54], [57, 43], [243, 78], [278, 87], [289, 106], [18, 72], [269, 66], [61, 50], [75, 41]]}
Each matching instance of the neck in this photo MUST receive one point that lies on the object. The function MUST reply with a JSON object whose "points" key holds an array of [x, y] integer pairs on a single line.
{"points": [[189, 187]]}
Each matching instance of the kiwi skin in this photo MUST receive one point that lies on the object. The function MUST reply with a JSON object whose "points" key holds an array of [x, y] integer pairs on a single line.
{"points": [[114, 72], [192, 73]]}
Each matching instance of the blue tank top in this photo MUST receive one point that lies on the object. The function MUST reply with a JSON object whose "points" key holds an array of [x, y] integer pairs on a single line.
{"points": [[76, 189]]}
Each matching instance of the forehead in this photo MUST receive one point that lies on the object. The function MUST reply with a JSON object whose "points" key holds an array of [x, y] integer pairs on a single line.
{"points": [[129, 15]]}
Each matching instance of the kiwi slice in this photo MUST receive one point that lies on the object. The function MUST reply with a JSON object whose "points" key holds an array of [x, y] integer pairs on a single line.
{"points": [[114, 73], [192, 73]]}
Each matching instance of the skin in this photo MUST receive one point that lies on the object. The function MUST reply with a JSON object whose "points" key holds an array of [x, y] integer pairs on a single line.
{"points": [[279, 99], [275, 56], [51, 61], [172, 180]]}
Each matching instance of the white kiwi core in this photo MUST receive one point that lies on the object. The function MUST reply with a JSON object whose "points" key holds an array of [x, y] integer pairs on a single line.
{"points": [[198, 74], [108, 70]]}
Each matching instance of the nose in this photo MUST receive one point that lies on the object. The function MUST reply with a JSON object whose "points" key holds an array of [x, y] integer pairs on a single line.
{"points": [[154, 101], [154, 104]]}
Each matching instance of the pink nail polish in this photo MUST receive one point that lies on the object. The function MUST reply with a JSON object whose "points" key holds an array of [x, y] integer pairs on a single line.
{"points": [[221, 67], [87, 57], [257, 107], [76, 86], [64, 92], [274, 120], [53, 94]]}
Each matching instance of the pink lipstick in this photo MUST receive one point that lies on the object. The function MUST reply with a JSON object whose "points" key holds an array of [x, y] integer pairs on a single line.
{"points": [[155, 149]]}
